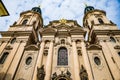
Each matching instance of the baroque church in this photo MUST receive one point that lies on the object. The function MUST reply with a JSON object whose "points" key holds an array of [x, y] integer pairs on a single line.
{"points": [[58, 51]]}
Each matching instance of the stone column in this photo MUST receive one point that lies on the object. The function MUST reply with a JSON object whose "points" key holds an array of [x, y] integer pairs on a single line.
{"points": [[49, 62], [39, 60], [114, 54], [86, 61], [76, 63], [15, 62], [107, 54], [9, 60]]}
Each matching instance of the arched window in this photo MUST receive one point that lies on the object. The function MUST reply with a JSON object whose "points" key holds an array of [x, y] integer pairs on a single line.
{"points": [[112, 39], [100, 21], [24, 22], [3, 58], [13, 41], [28, 60], [62, 56], [97, 60]]}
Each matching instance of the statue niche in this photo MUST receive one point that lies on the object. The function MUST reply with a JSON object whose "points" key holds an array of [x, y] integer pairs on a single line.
{"points": [[40, 73], [83, 73]]}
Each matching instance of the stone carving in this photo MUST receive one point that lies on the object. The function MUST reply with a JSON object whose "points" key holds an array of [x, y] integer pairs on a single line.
{"points": [[8, 47], [54, 75], [83, 74], [68, 73], [41, 73], [65, 76]]}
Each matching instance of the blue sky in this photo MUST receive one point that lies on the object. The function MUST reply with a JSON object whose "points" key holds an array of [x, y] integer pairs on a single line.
{"points": [[57, 9]]}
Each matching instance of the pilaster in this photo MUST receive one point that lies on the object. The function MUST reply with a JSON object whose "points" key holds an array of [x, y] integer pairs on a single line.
{"points": [[49, 61], [86, 60], [39, 59], [76, 62]]}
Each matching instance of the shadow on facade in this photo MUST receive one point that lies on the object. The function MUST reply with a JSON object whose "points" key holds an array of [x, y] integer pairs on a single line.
{"points": [[4, 76]]}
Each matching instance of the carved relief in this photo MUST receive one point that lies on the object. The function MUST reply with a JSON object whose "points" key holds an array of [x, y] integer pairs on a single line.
{"points": [[64, 76], [83, 74], [41, 73]]}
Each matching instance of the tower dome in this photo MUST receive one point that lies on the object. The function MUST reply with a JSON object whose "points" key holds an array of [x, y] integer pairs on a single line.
{"points": [[88, 8], [36, 9]]}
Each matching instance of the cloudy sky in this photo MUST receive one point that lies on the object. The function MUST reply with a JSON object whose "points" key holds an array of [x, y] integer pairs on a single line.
{"points": [[57, 9]]}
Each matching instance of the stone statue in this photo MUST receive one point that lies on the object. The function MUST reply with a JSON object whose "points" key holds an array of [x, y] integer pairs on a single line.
{"points": [[41, 73], [68, 73], [54, 75], [83, 74]]}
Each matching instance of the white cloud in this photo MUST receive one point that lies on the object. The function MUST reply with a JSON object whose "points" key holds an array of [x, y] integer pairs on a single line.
{"points": [[57, 9]]}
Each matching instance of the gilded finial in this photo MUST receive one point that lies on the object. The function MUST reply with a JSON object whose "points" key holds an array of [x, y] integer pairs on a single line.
{"points": [[63, 20]]}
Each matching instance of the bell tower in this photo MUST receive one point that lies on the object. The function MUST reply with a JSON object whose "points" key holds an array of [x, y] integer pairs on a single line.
{"points": [[15, 41], [104, 35]]}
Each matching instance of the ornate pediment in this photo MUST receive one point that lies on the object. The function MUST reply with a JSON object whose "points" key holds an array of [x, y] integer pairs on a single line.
{"points": [[77, 29], [31, 47], [94, 47], [48, 30]]}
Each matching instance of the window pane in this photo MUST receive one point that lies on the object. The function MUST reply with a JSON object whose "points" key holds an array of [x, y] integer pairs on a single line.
{"points": [[62, 56], [24, 22], [13, 41], [100, 21], [28, 60], [97, 60], [3, 58]]}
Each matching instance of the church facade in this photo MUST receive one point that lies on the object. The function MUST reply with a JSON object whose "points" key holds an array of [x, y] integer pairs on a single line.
{"points": [[31, 51]]}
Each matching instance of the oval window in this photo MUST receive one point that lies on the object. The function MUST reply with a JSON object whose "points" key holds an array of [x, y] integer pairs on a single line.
{"points": [[97, 60], [119, 53], [28, 60]]}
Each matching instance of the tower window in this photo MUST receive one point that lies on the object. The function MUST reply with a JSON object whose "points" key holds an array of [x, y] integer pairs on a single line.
{"points": [[13, 41], [3, 58], [28, 60], [112, 39], [119, 53], [62, 56], [97, 60], [24, 22], [100, 21]]}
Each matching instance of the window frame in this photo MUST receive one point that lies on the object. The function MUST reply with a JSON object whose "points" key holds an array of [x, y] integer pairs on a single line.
{"points": [[59, 61], [100, 21], [4, 57]]}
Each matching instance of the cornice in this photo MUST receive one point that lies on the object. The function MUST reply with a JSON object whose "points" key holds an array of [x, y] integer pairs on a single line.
{"points": [[16, 33], [106, 32]]}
